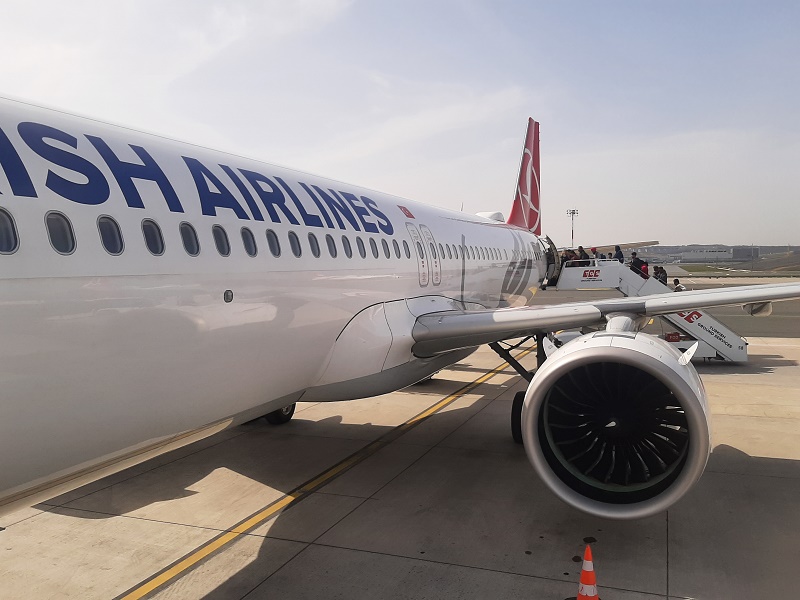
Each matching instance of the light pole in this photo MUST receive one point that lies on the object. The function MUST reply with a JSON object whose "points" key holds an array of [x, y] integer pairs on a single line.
{"points": [[573, 212]]}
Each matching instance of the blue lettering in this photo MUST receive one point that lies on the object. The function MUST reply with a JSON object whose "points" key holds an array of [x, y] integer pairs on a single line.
{"points": [[21, 184], [94, 191], [210, 200], [309, 219], [248, 197], [322, 211], [337, 206], [369, 226], [384, 223], [125, 173], [271, 197]]}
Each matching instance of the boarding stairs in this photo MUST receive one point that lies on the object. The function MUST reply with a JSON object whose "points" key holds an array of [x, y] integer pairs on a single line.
{"points": [[715, 340]]}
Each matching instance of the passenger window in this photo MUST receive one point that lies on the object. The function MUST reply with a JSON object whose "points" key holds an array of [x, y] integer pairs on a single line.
{"points": [[314, 244], [406, 249], [396, 248], [374, 247], [294, 244], [386, 252], [189, 237], [59, 229], [331, 245], [152, 237], [110, 235], [273, 243], [441, 251], [455, 251], [361, 249], [249, 241], [221, 240], [433, 250], [505, 253], [420, 250], [8, 233], [348, 249]]}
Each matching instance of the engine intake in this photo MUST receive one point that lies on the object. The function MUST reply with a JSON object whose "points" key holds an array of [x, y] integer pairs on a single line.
{"points": [[616, 426]]}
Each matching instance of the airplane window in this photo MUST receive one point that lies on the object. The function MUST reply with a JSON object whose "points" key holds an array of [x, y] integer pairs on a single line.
{"points": [[8, 233], [59, 229], [449, 253], [472, 252], [483, 253], [396, 248], [221, 240], [331, 245], [312, 241], [455, 251], [386, 252], [505, 253], [273, 243], [152, 237], [189, 237], [294, 243], [406, 249], [110, 235], [249, 241], [348, 249], [441, 251], [420, 250], [374, 247], [361, 250], [433, 250]]}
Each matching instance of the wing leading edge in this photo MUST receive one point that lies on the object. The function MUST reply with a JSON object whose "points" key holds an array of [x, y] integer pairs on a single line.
{"points": [[435, 333]]}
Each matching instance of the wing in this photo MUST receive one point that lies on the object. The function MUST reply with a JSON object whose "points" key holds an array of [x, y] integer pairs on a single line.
{"points": [[435, 333]]}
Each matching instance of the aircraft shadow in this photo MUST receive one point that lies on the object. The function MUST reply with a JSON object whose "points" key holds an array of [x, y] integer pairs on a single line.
{"points": [[264, 454]]}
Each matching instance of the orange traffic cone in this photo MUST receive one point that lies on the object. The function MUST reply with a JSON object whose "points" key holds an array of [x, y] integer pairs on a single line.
{"points": [[587, 589]]}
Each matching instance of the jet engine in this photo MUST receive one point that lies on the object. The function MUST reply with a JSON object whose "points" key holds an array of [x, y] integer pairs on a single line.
{"points": [[616, 424]]}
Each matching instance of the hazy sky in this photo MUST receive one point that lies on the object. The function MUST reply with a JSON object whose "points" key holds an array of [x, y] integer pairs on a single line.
{"points": [[672, 121]]}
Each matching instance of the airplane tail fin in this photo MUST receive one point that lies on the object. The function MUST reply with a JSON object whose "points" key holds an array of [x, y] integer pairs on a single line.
{"points": [[526, 212]]}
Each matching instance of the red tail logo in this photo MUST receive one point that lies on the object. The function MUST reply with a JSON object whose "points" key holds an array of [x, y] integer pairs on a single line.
{"points": [[525, 212]]}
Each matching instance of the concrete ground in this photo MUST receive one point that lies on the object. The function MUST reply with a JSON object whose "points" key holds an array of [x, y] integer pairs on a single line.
{"points": [[447, 509]]}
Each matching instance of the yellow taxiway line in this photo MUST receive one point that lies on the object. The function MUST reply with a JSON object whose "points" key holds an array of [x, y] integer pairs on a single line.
{"points": [[181, 566]]}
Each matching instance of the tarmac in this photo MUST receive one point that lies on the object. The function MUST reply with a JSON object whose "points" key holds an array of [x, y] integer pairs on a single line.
{"points": [[422, 494]]}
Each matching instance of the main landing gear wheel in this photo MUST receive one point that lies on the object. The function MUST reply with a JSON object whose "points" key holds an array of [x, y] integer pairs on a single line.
{"points": [[280, 416], [516, 417]]}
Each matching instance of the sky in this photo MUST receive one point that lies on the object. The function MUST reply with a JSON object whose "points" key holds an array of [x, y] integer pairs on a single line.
{"points": [[674, 121]]}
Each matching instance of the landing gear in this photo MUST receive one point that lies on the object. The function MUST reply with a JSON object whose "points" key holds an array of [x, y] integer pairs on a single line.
{"points": [[519, 397], [280, 416], [516, 417]]}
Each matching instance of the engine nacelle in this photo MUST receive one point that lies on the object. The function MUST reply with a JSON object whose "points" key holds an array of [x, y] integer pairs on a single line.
{"points": [[616, 426]]}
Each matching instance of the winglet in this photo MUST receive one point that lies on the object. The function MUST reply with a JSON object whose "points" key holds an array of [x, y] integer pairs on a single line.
{"points": [[525, 212]]}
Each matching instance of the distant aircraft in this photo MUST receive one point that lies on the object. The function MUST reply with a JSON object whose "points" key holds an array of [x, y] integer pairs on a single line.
{"points": [[154, 292]]}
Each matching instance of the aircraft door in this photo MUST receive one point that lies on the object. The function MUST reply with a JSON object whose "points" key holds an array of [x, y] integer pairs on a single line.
{"points": [[435, 259], [422, 258], [556, 270]]}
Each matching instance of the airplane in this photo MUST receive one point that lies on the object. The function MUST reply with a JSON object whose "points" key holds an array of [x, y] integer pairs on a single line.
{"points": [[155, 292]]}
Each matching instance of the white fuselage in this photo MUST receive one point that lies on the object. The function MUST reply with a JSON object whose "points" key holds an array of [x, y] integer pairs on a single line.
{"points": [[103, 354]]}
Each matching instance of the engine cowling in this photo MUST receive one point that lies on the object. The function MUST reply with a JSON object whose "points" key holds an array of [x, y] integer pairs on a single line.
{"points": [[616, 426]]}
